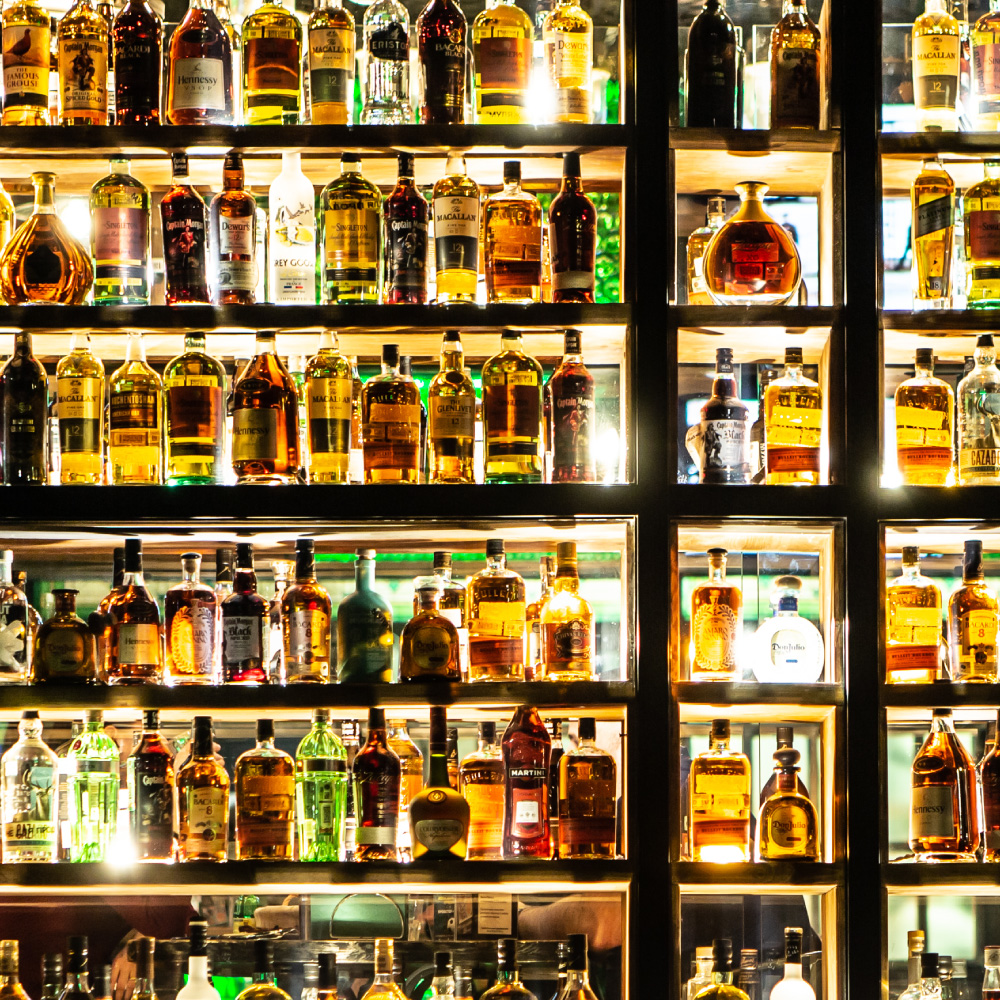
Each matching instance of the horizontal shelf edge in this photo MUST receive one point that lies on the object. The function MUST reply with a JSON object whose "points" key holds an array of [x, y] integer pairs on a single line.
{"points": [[789, 317], [737, 140], [692, 875], [750, 693]]}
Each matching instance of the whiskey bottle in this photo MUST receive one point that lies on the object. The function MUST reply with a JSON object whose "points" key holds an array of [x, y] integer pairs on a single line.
{"points": [[330, 36], [83, 65], [405, 255], [718, 442], [508, 985], [444, 982], [134, 655], [796, 63], [719, 800], [137, 44], [265, 796], [568, 40], [793, 986], [29, 808], [925, 408], [390, 413], [26, 55], [200, 69], [913, 624], [984, 42], [272, 64], [944, 815], [77, 982], [526, 746], [65, 649], [989, 779], [93, 791], [533, 617], [748, 975], [442, 53], [793, 423], [456, 200], [387, 61], [364, 628], [978, 430], [135, 455], [119, 235], [184, 228], [329, 393], [502, 37], [697, 244], [202, 803], [932, 198], [482, 781], [452, 417], [190, 612], [716, 624], [149, 772], [513, 241], [572, 237], [937, 51], [264, 985], [233, 234], [567, 623], [244, 625], [788, 829], [411, 781], [980, 204], [383, 985], [291, 248], [588, 798], [569, 395], [713, 84], [321, 780], [972, 622], [376, 781], [356, 464], [265, 411], [406, 371], [496, 619], [305, 621], [429, 645], [24, 411]]}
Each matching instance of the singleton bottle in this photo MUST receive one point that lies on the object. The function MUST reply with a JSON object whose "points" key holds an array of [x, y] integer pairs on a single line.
{"points": [[65, 648], [390, 413], [29, 796], [387, 61], [972, 622], [568, 39], [719, 800], [233, 234], [502, 37], [190, 613], [932, 199], [925, 409], [134, 655], [793, 426], [482, 780], [405, 254], [320, 790], [244, 625], [588, 798], [913, 624], [572, 237], [184, 229], [978, 431], [697, 244], [265, 798], [135, 454], [985, 57], [713, 86], [120, 237], [329, 392], [937, 45], [272, 65], [455, 203], [24, 411], [149, 774], [571, 417], [202, 803], [93, 791], [496, 619], [291, 248], [718, 442], [364, 628], [795, 68], [305, 621], [200, 69], [443, 55], [26, 56], [137, 43], [83, 65], [376, 779], [331, 38], [451, 402], [512, 241], [526, 747], [567, 623]]}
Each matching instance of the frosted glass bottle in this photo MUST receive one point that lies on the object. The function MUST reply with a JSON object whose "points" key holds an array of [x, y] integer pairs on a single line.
{"points": [[787, 649]]}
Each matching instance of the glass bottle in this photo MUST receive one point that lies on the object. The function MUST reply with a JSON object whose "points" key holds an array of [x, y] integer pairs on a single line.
{"points": [[77, 984], [533, 617], [526, 746], [788, 829], [137, 46], [508, 985], [15, 625], [265, 798], [989, 779], [973, 622], [566, 623], [200, 69], [913, 624], [978, 431], [233, 236], [26, 65], [568, 39], [927, 986], [62, 755], [793, 426], [184, 228], [406, 212], [65, 649], [10, 984], [984, 42], [134, 655], [24, 407], [411, 781], [272, 65], [718, 443], [443, 984], [80, 413], [482, 780], [305, 621], [429, 645], [944, 818], [190, 611], [455, 203], [8, 220], [141, 951], [785, 755], [281, 571], [719, 800], [937, 45], [387, 65], [713, 83], [202, 802], [703, 973], [244, 625], [93, 791], [773, 272], [29, 796], [697, 243], [199, 982], [291, 233], [980, 203], [149, 773], [321, 780], [496, 619], [43, 262], [99, 620], [932, 199], [83, 65], [442, 53], [572, 237], [383, 986], [588, 798], [451, 402], [225, 16], [786, 648], [120, 235], [512, 241], [501, 54], [264, 983], [716, 624], [390, 413], [364, 628], [328, 391], [796, 63], [924, 408], [569, 402], [265, 410], [376, 777], [331, 39], [135, 450]]}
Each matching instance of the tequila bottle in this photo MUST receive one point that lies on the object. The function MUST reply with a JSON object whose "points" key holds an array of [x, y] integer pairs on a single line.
{"points": [[387, 65], [716, 624], [321, 780], [364, 628], [937, 48], [787, 648], [305, 621], [328, 390], [65, 648], [291, 249], [795, 68], [792, 986], [501, 53], [82, 47], [29, 796], [272, 65], [932, 198], [512, 242], [93, 791], [26, 60], [451, 401], [190, 612], [390, 413], [331, 39], [793, 426], [135, 454], [200, 69], [979, 419], [119, 240], [980, 208], [719, 800], [429, 646], [925, 414], [568, 36], [697, 244], [496, 619], [455, 204], [788, 829]]}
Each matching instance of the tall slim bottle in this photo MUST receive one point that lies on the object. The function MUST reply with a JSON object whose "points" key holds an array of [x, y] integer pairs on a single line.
{"points": [[244, 625], [137, 50], [456, 207], [937, 45], [405, 254], [526, 749], [24, 412], [329, 395], [305, 620], [134, 641], [572, 237], [233, 237], [571, 416], [93, 784], [568, 36], [387, 65], [321, 780], [135, 447], [330, 36], [442, 50], [376, 777], [184, 228], [978, 399]]}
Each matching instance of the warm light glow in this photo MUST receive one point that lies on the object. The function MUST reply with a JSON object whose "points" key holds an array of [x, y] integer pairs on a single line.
{"points": [[75, 215], [722, 854]]}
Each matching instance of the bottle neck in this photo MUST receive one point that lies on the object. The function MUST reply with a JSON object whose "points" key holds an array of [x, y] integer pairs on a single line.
{"points": [[439, 766], [571, 184], [245, 581], [194, 343], [198, 964], [390, 369], [718, 743], [793, 970], [722, 978], [328, 341], [232, 179], [455, 167], [453, 354], [717, 572], [265, 344], [497, 563], [364, 574], [135, 349], [508, 974], [45, 195], [942, 724], [191, 574], [985, 356], [577, 979]]}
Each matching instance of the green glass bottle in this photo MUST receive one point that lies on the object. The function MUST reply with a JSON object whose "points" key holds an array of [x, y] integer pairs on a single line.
{"points": [[93, 765], [364, 629], [320, 791]]}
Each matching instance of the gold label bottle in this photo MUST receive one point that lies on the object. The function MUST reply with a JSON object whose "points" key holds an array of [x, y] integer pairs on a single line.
{"points": [[937, 54], [972, 622], [80, 414], [719, 800], [496, 619], [716, 624], [83, 66], [932, 197], [793, 426], [26, 61], [913, 624]]}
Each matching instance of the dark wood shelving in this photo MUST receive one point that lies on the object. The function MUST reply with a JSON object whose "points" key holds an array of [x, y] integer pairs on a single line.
{"points": [[756, 140], [750, 693], [950, 878], [943, 694], [926, 504], [750, 875], [920, 144], [720, 317], [941, 322], [784, 502]]}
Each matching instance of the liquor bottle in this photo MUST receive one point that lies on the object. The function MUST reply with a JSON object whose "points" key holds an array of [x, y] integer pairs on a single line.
{"points": [[244, 625], [264, 985], [456, 201], [376, 779], [8, 220], [568, 38], [719, 800], [980, 202], [42, 262], [913, 624], [978, 436], [99, 620], [282, 572], [482, 780], [184, 228], [141, 952], [107, 11], [272, 65], [787, 648], [526, 748], [190, 612], [10, 984], [329, 393], [194, 386], [713, 84], [24, 411], [508, 985], [533, 617], [225, 18], [83, 65], [796, 63], [566, 623], [134, 635], [452, 411], [26, 54], [135, 453], [291, 249], [429, 645], [937, 46], [442, 52], [793, 422], [321, 779], [927, 983], [569, 398], [718, 442], [93, 791], [703, 973], [119, 234], [973, 622], [451, 601], [443, 983], [137, 45], [496, 619], [233, 234], [772, 275], [199, 982], [330, 35], [387, 60], [390, 413], [932, 199], [572, 237], [925, 408], [512, 241], [327, 978], [65, 649], [716, 624], [149, 772], [351, 236], [305, 621], [984, 39], [989, 779], [77, 984], [787, 829], [384, 986], [748, 975], [406, 212], [411, 781], [364, 628], [29, 796], [697, 244], [588, 798], [202, 802], [15, 625], [200, 69], [501, 55], [793, 986], [350, 732], [265, 797]]}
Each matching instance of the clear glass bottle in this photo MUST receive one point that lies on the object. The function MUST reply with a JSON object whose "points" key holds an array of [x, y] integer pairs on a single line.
{"points": [[495, 603], [793, 422], [364, 628], [978, 430], [568, 37], [796, 65], [787, 649], [331, 40], [390, 412], [29, 796], [135, 447], [134, 640], [501, 53], [924, 409], [120, 237], [973, 622], [65, 648], [456, 208], [321, 780], [716, 624], [92, 787], [387, 65], [272, 65], [291, 233], [512, 241], [200, 75], [703, 972], [932, 199], [80, 413], [233, 219], [202, 810], [26, 66], [719, 800], [83, 43], [15, 623], [190, 612], [937, 45]]}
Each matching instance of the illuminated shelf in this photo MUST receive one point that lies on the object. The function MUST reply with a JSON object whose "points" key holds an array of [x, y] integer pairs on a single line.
{"points": [[713, 319], [941, 695], [768, 876], [944, 879], [756, 140], [748, 693], [941, 322]]}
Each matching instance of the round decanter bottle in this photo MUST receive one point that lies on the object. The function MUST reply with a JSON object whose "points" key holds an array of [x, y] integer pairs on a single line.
{"points": [[752, 260]]}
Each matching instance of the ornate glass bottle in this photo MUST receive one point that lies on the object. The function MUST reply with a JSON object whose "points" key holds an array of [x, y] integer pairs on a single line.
{"points": [[387, 62], [716, 624], [200, 69], [65, 649], [429, 646]]}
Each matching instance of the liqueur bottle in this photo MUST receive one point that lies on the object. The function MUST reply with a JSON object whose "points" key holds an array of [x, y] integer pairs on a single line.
{"points": [[405, 254], [272, 65], [202, 805], [43, 262], [83, 65], [944, 815], [925, 408], [411, 781], [568, 39], [190, 612], [508, 985], [792, 986], [788, 829], [796, 50], [134, 655], [265, 797], [697, 244], [716, 624], [442, 51], [713, 84], [387, 60], [65, 649], [119, 235], [149, 773], [321, 779], [571, 418], [135, 453], [496, 619], [137, 43], [793, 426], [937, 46], [184, 228], [195, 416], [512, 242], [482, 780], [972, 622], [429, 645], [305, 621], [24, 411], [719, 800], [501, 54], [351, 236], [199, 982], [526, 747], [376, 780], [265, 411], [330, 35], [567, 623], [588, 798], [26, 56], [233, 239], [328, 391], [29, 808], [572, 237], [913, 624], [93, 791], [455, 202], [980, 203], [932, 199], [291, 234], [989, 778], [985, 39], [244, 625], [200, 69], [451, 402], [718, 442], [390, 413], [978, 433], [364, 628], [15, 625]]}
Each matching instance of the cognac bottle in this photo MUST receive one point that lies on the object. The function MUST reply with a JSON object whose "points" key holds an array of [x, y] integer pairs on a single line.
{"points": [[200, 69]]}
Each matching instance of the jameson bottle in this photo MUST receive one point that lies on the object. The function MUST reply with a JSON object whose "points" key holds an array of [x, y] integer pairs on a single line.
{"points": [[441, 47], [245, 628], [406, 213], [136, 41], [149, 772], [184, 227], [364, 629], [24, 405]]}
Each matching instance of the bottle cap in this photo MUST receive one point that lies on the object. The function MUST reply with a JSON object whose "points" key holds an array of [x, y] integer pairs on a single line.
{"points": [[487, 731], [784, 737], [376, 719], [76, 952], [985, 340], [390, 355], [929, 965], [405, 164], [304, 545], [233, 160], [265, 730], [720, 731], [365, 553], [572, 342], [328, 970], [321, 715], [244, 555], [29, 713], [442, 963], [925, 357], [716, 206], [586, 729], [223, 565], [718, 553], [350, 158], [910, 555], [704, 952], [748, 958], [133, 555], [452, 336], [52, 967], [198, 938], [202, 739], [788, 603], [93, 715], [566, 552], [507, 951], [442, 560], [511, 171], [793, 945], [179, 164], [571, 164], [383, 955], [8, 958], [724, 359], [151, 719], [494, 547], [722, 954], [793, 355], [405, 365], [959, 968], [915, 941], [577, 953], [992, 956]]}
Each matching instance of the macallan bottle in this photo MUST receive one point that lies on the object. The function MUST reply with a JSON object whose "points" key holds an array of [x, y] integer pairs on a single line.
{"points": [[451, 401], [306, 612], [406, 213], [83, 66], [150, 778], [244, 625], [265, 800], [937, 48], [134, 655], [202, 801], [23, 410], [572, 237], [502, 36], [512, 241], [390, 412], [137, 42], [913, 624], [330, 36], [711, 70], [442, 50], [233, 237], [200, 69], [482, 780], [526, 748], [190, 613], [496, 619], [120, 237], [26, 60], [932, 199], [972, 622], [569, 394], [925, 414], [795, 68], [184, 228], [328, 390], [135, 446], [376, 779], [455, 204], [716, 624]]}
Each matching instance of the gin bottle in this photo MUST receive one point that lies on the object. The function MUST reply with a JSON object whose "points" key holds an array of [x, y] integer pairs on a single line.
{"points": [[93, 791], [979, 419], [387, 65], [364, 628], [29, 793], [320, 791]]}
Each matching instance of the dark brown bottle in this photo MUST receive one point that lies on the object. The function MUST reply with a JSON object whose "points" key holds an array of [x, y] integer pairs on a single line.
{"points": [[149, 772], [526, 750], [989, 772], [785, 755], [65, 649], [234, 238], [569, 404], [442, 49], [572, 237], [25, 408], [137, 39], [406, 213], [184, 222], [99, 621], [77, 985], [376, 778], [245, 625], [200, 69], [712, 70], [724, 427]]}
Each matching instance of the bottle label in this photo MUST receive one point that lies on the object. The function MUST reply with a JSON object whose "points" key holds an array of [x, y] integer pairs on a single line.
{"points": [[456, 233], [237, 236], [389, 426], [496, 634], [573, 101], [138, 644], [308, 638], [566, 642], [151, 798], [237, 275], [529, 811], [79, 407], [65, 652], [26, 59], [914, 627], [121, 233], [901, 658], [438, 834], [936, 65], [268, 61], [330, 404], [265, 793], [725, 444], [504, 63], [191, 639], [985, 66], [208, 820], [351, 239], [978, 642], [406, 254], [389, 42], [571, 57], [255, 435], [194, 410], [135, 419], [452, 417], [788, 827], [28, 807], [241, 638], [796, 84], [789, 649], [935, 215], [792, 459], [508, 242], [184, 246], [715, 633], [485, 794], [292, 250], [331, 65], [581, 831], [979, 461], [721, 795], [136, 58], [13, 637], [983, 228], [572, 426], [199, 83], [83, 74], [432, 650], [29, 835], [917, 425], [932, 811], [512, 408]]}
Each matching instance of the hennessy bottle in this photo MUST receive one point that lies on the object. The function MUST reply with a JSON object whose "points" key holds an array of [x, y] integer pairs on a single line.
{"points": [[200, 69]]}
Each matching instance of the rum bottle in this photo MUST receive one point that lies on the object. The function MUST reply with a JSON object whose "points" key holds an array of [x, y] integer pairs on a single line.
{"points": [[24, 410], [321, 780], [482, 781], [526, 748], [937, 50], [455, 201], [291, 233], [376, 779], [134, 653], [364, 628], [571, 416], [390, 413], [329, 389], [305, 621], [405, 255], [429, 645], [719, 800], [716, 624], [985, 58], [972, 622], [913, 624], [713, 85], [793, 426], [65, 648], [925, 409], [512, 241], [932, 198], [451, 401], [442, 52], [120, 236], [29, 806], [272, 65], [330, 35], [83, 65], [137, 43], [588, 798], [718, 442], [200, 69], [387, 61], [572, 237], [495, 617], [795, 68], [502, 36], [190, 613], [568, 40], [149, 772], [93, 786], [978, 427], [202, 804], [244, 625], [265, 800], [135, 455], [26, 58], [184, 228]]}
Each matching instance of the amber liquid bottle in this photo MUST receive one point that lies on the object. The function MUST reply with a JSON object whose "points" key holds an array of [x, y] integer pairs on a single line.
{"points": [[149, 771], [65, 649], [134, 655], [200, 69], [441, 44], [572, 237], [245, 617], [482, 780], [989, 774], [24, 393], [406, 213], [526, 749], [234, 238], [202, 800], [306, 613], [376, 779], [184, 222], [137, 41], [265, 800], [569, 401]]}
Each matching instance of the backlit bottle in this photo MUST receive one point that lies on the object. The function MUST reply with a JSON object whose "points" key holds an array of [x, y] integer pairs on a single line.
{"points": [[137, 50], [390, 413], [134, 641], [502, 56], [364, 628], [24, 412], [713, 83], [937, 46], [202, 811], [93, 760], [291, 233], [978, 399], [330, 36], [150, 778], [233, 236], [321, 780], [456, 208], [26, 65], [184, 225], [526, 748], [83, 44], [135, 444], [29, 791], [272, 65], [265, 800], [719, 800], [120, 237], [387, 64], [406, 213], [973, 620], [442, 50], [200, 69], [376, 776], [792, 986], [716, 624], [190, 612], [439, 816], [793, 426], [568, 36], [925, 415], [913, 624]]}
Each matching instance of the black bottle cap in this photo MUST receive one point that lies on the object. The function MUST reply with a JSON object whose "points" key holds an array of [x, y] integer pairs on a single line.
{"points": [[452, 336], [793, 945], [910, 554], [151, 719], [718, 553], [265, 730], [405, 164], [985, 340], [304, 545], [571, 164], [52, 967], [572, 342], [494, 546], [925, 357], [720, 731], [439, 727], [511, 171], [487, 731], [577, 952], [29, 713], [262, 955], [506, 953], [179, 164], [442, 560], [198, 937], [233, 160], [929, 965], [722, 952], [328, 970], [793, 355], [390, 355], [202, 739], [118, 559], [973, 562], [587, 729], [305, 559], [244, 555], [724, 360], [350, 157], [376, 719], [224, 565], [76, 954], [785, 737], [442, 963], [133, 555]]}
